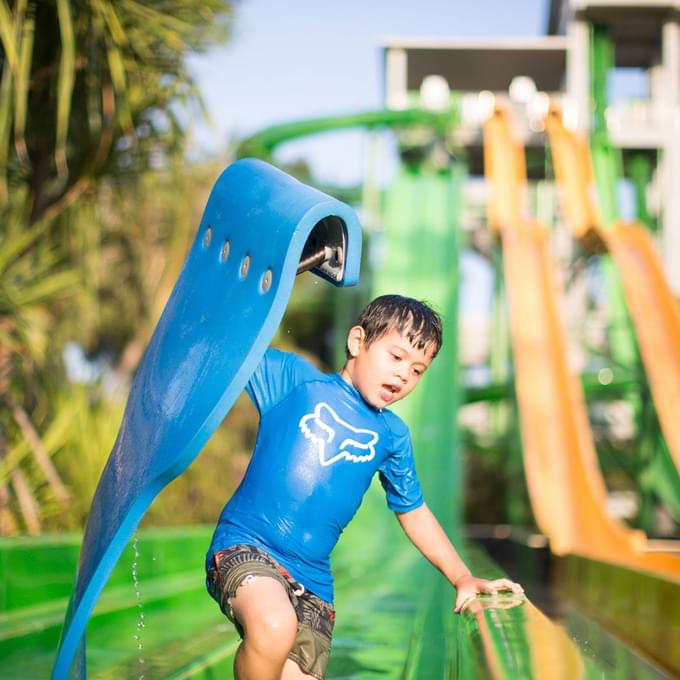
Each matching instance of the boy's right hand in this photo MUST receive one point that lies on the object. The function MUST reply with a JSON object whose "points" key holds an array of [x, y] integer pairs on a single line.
{"points": [[468, 587]]}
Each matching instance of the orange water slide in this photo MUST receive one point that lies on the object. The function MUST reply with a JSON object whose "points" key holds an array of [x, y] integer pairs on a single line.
{"points": [[653, 309], [565, 484]]}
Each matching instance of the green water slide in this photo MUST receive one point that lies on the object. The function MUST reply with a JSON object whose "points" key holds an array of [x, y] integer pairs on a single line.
{"points": [[387, 603], [419, 257]]}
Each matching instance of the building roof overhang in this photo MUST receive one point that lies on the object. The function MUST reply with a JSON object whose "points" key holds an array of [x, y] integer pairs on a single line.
{"points": [[483, 64]]}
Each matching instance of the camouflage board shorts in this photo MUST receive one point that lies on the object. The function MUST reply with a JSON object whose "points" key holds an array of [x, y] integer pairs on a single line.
{"points": [[240, 563]]}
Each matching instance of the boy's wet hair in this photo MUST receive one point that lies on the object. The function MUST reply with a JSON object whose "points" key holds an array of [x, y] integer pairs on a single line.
{"points": [[421, 325]]}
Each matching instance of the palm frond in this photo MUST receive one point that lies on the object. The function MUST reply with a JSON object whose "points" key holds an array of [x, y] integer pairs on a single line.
{"points": [[46, 290], [7, 32], [65, 83], [16, 241], [23, 72], [5, 127]]}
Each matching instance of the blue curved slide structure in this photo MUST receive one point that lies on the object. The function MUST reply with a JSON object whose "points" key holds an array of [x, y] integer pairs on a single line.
{"points": [[260, 228]]}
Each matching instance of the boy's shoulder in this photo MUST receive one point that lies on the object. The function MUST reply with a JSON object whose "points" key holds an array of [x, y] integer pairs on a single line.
{"points": [[277, 375], [398, 427], [293, 361], [292, 368]]}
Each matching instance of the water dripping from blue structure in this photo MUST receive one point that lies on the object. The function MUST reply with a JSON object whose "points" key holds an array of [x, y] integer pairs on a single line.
{"points": [[137, 637]]}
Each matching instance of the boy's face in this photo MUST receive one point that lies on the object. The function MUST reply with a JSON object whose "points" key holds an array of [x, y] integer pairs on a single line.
{"points": [[386, 370]]}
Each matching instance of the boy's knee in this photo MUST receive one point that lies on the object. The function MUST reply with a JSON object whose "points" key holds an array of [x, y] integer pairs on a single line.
{"points": [[272, 630], [267, 617]]}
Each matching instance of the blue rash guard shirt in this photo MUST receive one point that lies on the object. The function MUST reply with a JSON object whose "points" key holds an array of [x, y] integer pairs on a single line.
{"points": [[318, 446]]}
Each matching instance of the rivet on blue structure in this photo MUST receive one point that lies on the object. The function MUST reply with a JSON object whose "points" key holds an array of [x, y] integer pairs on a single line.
{"points": [[260, 227]]}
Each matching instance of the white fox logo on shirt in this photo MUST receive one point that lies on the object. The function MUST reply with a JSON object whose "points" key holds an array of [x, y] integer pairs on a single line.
{"points": [[324, 426]]}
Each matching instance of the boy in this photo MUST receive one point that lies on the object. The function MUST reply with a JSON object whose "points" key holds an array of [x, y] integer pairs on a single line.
{"points": [[321, 439]]}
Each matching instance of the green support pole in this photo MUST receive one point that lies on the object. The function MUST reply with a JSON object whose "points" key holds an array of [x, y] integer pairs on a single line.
{"points": [[640, 173], [504, 413], [608, 168], [500, 345], [658, 476], [420, 259]]}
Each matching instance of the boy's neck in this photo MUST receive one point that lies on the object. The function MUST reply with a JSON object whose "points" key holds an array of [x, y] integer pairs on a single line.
{"points": [[345, 375]]}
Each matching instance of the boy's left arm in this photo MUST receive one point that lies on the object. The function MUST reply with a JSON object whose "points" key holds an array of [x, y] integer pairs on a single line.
{"points": [[425, 532]]}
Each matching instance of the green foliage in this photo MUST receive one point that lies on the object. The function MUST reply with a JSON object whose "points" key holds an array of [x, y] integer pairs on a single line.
{"points": [[78, 429], [129, 241], [95, 214], [81, 435], [33, 281], [32, 278]]}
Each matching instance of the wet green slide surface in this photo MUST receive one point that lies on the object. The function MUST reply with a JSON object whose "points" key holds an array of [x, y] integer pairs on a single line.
{"points": [[379, 582], [394, 616], [386, 596]]}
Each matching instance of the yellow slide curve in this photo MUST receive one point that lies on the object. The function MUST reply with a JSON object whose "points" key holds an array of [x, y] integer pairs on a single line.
{"points": [[565, 484], [653, 309]]}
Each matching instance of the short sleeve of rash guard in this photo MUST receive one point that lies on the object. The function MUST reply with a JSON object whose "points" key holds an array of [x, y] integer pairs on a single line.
{"points": [[277, 374], [398, 474]]}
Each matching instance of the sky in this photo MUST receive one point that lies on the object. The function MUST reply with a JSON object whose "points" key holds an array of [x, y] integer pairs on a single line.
{"points": [[305, 59]]}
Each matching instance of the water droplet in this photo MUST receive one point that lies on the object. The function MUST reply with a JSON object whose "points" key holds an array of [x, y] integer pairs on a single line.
{"points": [[138, 594]]}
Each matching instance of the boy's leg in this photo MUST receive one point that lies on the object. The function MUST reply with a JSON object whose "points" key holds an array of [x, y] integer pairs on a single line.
{"points": [[285, 628], [291, 671], [269, 622]]}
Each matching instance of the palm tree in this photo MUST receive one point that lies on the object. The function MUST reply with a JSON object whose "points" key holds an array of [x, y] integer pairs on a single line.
{"points": [[91, 87]]}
